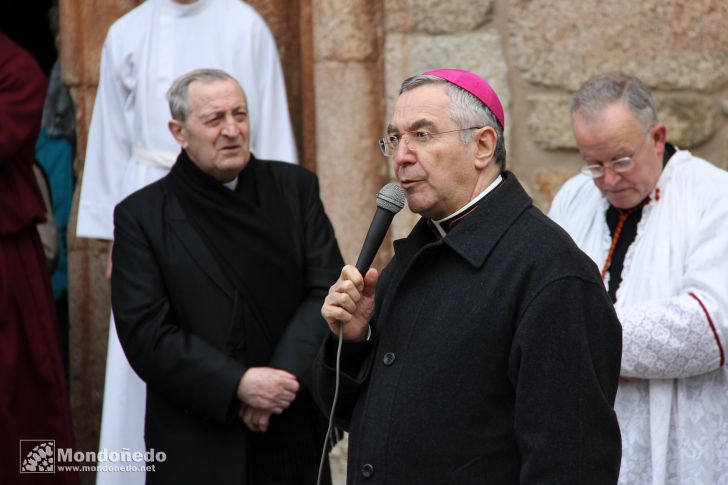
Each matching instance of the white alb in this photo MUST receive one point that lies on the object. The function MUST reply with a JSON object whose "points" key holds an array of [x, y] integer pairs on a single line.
{"points": [[673, 306]]}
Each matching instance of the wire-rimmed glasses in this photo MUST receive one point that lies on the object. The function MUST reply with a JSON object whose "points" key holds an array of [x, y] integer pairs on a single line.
{"points": [[620, 165], [413, 139]]}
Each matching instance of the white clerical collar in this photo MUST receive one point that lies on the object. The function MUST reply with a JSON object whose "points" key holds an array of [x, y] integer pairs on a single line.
{"points": [[185, 8], [438, 223], [232, 184]]}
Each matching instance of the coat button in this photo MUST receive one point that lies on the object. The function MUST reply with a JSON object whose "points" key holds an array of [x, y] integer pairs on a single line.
{"points": [[367, 470], [389, 358]]}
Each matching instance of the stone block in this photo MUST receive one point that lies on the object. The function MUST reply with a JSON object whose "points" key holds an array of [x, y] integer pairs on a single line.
{"points": [[83, 98], [480, 52], [83, 30], [436, 17], [89, 301], [549, 121], [548, 183], [350, 167], [346, 30], [690, 119], [669, 44]]}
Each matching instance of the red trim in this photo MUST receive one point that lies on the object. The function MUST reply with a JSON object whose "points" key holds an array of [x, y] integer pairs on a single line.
{"points": [[462, 216], [434, 230], [623, 215], [712, 327]]}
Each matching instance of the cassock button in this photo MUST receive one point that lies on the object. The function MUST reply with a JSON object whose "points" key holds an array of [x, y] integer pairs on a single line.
{"points": [[389, 358], [367, 470]]}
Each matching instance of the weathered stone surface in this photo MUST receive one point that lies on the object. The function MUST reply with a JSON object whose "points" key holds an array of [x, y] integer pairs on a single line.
{"points": [[549, 182], [83, 30], [350, 167], [436, 16], [480, 52], [89, 309], [346, 31], [83, 98], [292, 32], [549, 121], [690, 119], [667, 43], [307, 133], [280, 16]]}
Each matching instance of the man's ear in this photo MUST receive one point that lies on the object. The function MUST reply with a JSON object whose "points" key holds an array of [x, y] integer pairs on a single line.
{"points": [[178, 132], [659, 138], [485, 141]]}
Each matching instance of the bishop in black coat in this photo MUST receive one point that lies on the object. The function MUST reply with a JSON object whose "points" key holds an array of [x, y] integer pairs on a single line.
{"points": [[487, 351]]}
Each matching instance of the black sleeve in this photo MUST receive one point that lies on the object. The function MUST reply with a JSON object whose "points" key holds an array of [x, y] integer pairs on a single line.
{"points": [[564, 367], [175, 363], [297, 348], [355, 369]]}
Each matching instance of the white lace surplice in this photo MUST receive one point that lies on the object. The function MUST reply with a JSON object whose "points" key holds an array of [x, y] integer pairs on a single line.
{"points": [[673, 306]]}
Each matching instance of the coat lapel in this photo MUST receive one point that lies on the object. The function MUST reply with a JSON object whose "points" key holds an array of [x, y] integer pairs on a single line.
{"points": [[497, 212], [196, 248]]}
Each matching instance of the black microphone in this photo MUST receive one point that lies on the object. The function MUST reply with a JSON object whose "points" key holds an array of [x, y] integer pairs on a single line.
{"points": [[390, 200]]}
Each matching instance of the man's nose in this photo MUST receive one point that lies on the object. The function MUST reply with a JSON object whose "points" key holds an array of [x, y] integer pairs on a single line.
{"points": [[610, 177], [230, 128], [403, 156]]}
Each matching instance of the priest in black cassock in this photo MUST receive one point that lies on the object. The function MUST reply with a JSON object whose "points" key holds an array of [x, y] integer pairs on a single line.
{"points": [[219, 273]]}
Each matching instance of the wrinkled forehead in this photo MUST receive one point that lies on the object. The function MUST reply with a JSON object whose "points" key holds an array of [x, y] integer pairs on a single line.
{"points": [[216, 95], [614, 129], [423, 107]]}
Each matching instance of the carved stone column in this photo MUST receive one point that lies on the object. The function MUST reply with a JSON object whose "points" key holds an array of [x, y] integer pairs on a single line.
{"points": [[349, 114], [83, 30]]}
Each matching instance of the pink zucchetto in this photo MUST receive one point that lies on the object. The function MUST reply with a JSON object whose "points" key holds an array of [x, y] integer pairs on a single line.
{"points": [[475, 85]]}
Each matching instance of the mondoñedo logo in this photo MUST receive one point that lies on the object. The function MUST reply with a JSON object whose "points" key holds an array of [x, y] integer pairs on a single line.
{"points": [[37, 456]]}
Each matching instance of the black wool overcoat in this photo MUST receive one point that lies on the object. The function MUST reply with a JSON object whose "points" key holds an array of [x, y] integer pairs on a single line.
{"points": [[175, 311], [494, 358]]}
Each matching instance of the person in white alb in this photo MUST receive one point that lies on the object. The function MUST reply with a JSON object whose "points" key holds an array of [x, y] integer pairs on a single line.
{"points": [[129, 145], [654, 218]]}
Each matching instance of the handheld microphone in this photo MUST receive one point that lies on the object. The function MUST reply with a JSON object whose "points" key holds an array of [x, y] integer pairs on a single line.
{"points": [[390, 200]]}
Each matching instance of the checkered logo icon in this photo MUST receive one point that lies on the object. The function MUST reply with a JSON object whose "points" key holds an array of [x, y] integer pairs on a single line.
{"points": [[37, 456]]}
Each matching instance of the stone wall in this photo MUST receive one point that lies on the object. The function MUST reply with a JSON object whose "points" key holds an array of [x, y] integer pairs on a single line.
{"points": [[677, 47], [344, 61]]}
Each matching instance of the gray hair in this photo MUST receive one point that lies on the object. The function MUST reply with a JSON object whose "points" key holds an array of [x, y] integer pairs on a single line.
{"points": [[466, 111], [177, 94], [605, 89]]}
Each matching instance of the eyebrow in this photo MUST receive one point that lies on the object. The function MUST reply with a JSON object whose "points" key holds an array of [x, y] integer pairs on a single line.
{"points": [[421, 123], [621, 153], [217, 112]]}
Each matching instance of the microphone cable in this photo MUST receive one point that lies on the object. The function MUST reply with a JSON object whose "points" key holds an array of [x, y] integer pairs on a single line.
{"points": [[333, 404], [390, 200]]}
